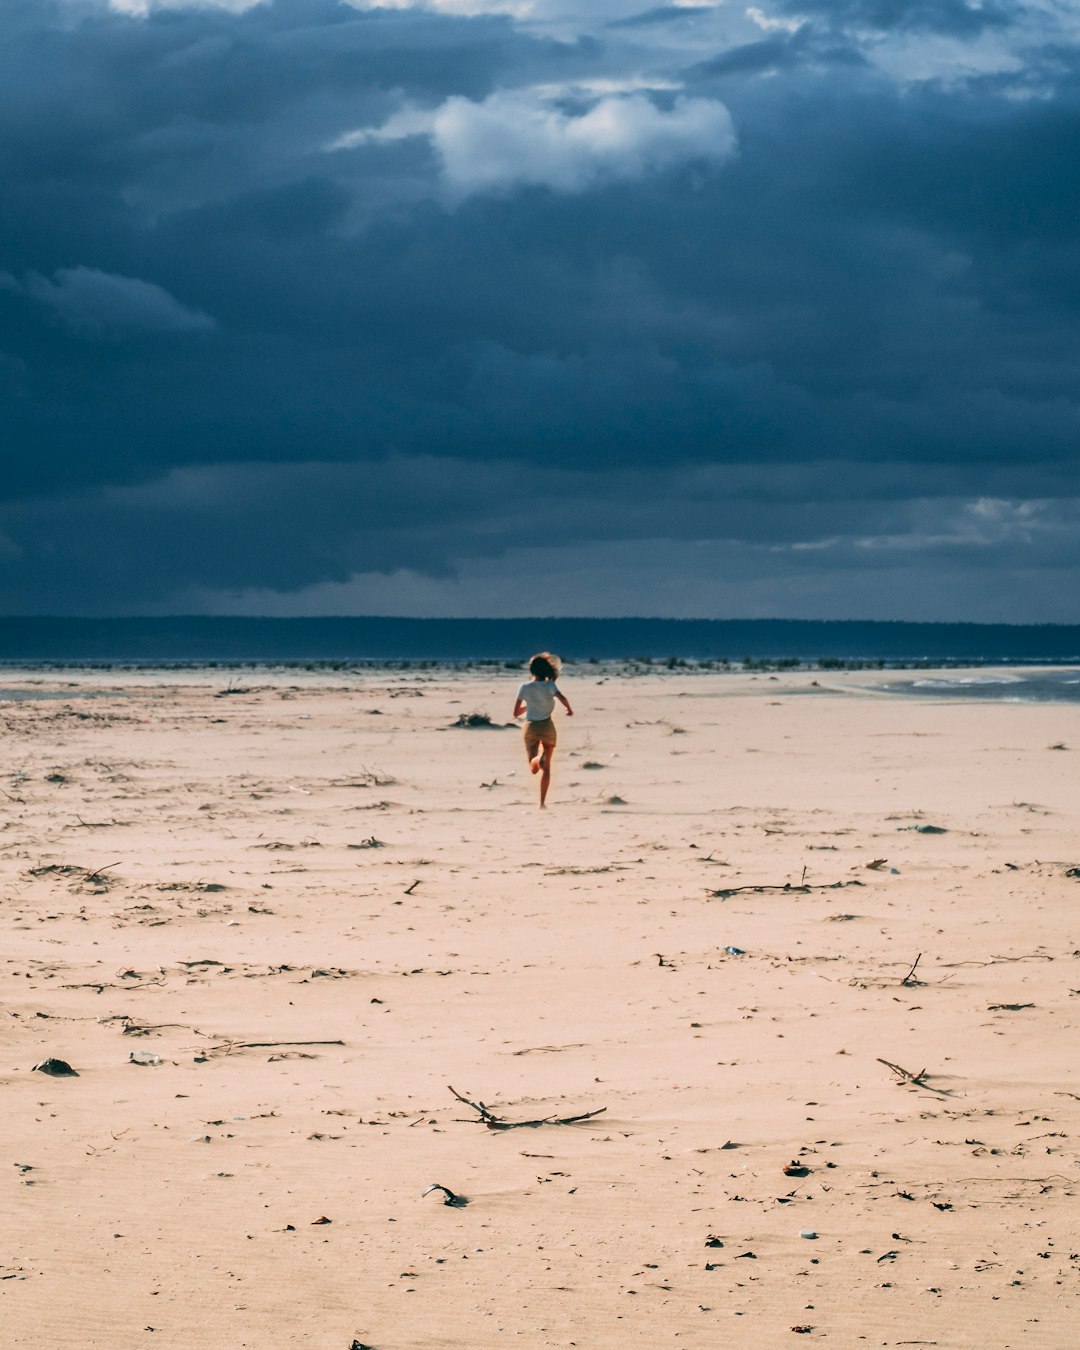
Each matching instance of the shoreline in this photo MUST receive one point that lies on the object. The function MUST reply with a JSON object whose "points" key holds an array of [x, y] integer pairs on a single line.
{"points": [[953, 683]]}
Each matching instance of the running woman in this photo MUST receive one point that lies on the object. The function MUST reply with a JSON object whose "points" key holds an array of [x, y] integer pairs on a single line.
{"points": [[536, 699]]}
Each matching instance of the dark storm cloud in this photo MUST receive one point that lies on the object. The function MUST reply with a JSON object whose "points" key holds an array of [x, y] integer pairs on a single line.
{"points": [[313, 291], [755, 58], [233, 528]]}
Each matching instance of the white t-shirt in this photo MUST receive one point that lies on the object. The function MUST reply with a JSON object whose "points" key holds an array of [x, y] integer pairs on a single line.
{"points": [[539, 699]]}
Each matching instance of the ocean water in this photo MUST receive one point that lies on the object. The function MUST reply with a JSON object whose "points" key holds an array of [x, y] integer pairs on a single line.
{"points": [[1044, 686], [182, 638]]}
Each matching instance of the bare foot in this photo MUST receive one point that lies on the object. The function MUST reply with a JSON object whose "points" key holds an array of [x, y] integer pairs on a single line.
{"points": [[534, 765]]}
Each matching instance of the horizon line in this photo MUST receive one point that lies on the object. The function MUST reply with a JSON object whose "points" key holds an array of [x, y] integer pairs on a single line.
{"points": [[519, 618]]}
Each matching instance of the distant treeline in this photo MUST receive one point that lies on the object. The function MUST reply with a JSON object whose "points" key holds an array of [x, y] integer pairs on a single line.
{"points": [[739, 641]]}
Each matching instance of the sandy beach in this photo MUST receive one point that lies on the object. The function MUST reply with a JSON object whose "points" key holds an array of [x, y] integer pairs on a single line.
{"points": [[271, 917]]}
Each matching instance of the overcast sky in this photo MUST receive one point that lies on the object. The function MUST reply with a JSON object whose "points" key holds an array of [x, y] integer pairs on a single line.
{"points": [[534, 307]]}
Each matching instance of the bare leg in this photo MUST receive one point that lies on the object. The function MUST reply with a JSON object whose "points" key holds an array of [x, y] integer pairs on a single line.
{"points": [[546, 756], [534, 750]]}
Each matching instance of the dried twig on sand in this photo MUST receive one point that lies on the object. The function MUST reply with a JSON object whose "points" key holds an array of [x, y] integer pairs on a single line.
{"points": [[129, 1027], [365, 778], [229, 1046], [908, 977], [98, 874], [906, 1076], [790, 888], [95, 875], [494, 1122]]}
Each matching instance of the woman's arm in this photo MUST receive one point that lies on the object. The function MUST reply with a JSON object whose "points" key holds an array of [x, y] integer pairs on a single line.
{"points": [[519, 707], [566, 705]]}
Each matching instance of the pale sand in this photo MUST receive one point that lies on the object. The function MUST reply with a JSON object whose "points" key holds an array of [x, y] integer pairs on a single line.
{"points": [[525, 969]]}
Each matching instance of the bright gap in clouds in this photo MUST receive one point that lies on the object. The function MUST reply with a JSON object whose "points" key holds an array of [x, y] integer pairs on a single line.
{"points": [[140, 9], [520, 138]]}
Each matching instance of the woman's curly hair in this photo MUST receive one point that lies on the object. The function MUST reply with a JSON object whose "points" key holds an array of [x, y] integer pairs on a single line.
{"points": [[545, 666]]}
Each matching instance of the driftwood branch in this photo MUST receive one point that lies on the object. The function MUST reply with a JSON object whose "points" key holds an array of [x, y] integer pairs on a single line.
{"points": [[484, 1113], [98, 874], [787, 887], [907, 978], [916, 1079], [905, 1075], [264, 1045], [494, 1122]]}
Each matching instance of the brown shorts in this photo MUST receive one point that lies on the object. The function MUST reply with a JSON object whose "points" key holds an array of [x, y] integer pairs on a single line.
{"points": [[535, 732]]}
